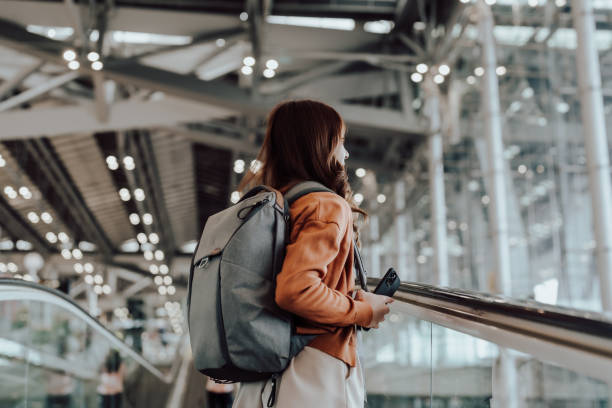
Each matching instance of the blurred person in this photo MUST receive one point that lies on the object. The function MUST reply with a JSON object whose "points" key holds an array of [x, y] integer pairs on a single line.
{"points": [[59, 384], [110, 389], [305, 142], [219, 395]]}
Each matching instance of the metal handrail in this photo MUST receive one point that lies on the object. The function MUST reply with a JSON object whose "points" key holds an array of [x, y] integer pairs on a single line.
{"points": [[15, 289], [581, 341]]}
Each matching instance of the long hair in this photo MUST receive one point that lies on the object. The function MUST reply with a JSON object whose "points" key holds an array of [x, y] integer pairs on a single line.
{"points": [[300, 140]]}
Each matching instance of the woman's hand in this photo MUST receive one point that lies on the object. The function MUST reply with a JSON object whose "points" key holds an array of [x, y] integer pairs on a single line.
{"points": [[379, 305]]}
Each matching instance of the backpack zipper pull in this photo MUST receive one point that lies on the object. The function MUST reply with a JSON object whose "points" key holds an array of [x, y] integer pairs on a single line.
{"points": [[272, 398], [203, 263]]}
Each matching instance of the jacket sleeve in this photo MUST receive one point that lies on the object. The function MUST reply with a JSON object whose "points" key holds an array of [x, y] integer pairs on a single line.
{"points": [[299, 285]]}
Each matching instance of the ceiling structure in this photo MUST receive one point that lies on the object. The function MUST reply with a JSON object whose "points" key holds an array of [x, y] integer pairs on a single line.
{"points": [[128, 158]]}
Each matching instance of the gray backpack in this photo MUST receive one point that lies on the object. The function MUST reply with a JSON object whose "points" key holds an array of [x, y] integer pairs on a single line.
{"points": [[237, 331]]}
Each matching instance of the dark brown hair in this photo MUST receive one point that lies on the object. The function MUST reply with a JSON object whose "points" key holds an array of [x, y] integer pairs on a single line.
{"points": [[299, 145]]}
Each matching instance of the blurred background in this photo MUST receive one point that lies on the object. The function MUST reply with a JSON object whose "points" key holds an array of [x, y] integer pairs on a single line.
{"points": [[479, 138]]}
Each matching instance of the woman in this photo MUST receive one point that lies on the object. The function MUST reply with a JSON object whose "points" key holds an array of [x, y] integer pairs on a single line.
{"points": [[305, 141], [110, 389]]}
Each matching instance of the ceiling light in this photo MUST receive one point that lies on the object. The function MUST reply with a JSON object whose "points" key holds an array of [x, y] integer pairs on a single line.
{"points": [[141, 237], [272, 64], [77, 254], [163, 269], [147, 219], [154, 269], [422, 68], [2, 162], [158, 280], [98, 289], [269, 73], [10, 192], [248, 61], [171, 290], [167, 280], [563, 107], [444, 69], [63, 237], [418, 26], [438, 79], [46, 217], [501, 70], [235, 197], [78, 268], [128, 162], [416, 77], [69, 55], [134, 219], [246, 70], [94, 35], [360, 172], [149, 38], [239, 166], [51, 237], [344, 24], [490, 2], [479, 71], [358, 198], [162, 290], [25, 192], [74, 65], [154, 238], [89, 279], [3, 268], [139, 194], [124, 193], [33, 217], [148, 255], [93, 56], [527, 92], [66, 254], [159, 255], [471, 79], [381, 198], [244, 16], [378, 27], [485, 200], [533, 3], [89, 268], [97, 65], [111, 162], [98, 279], [106, 289], [23, 245], [220, 42], [560, 3]]}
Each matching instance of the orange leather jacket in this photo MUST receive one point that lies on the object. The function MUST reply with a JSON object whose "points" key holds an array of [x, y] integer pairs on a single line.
{"points": [[317, 279]]}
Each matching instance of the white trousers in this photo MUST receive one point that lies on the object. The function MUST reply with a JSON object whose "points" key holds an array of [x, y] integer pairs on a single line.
{"points": [[313, 379]]}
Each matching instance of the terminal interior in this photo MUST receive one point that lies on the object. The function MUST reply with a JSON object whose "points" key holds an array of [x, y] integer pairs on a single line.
{"points": [[479, 134]]}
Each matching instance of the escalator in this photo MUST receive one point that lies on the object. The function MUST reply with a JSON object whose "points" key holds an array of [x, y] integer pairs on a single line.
{"points": [[51, 350], [439, 347]]}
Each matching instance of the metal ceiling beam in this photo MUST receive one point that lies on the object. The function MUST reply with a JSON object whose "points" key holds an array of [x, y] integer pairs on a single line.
{"points": [[12, 84], [18, 228], [149, 176], [64, 186], [40, 90], [219, 94], [228, 35], [123, 115]]}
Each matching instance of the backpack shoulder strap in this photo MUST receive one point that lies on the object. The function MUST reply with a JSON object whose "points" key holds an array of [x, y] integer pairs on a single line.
{"points": [[307, 187], [303, 188]]}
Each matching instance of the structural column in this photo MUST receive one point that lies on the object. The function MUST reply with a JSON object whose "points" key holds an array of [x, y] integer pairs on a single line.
{"points": [[401, 237], [500, 281], [505, 383], [596, 144], [436, 183]]}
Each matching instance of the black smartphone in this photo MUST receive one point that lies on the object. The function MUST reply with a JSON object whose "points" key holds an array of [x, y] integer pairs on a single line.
{"points": [[388, 284]]}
